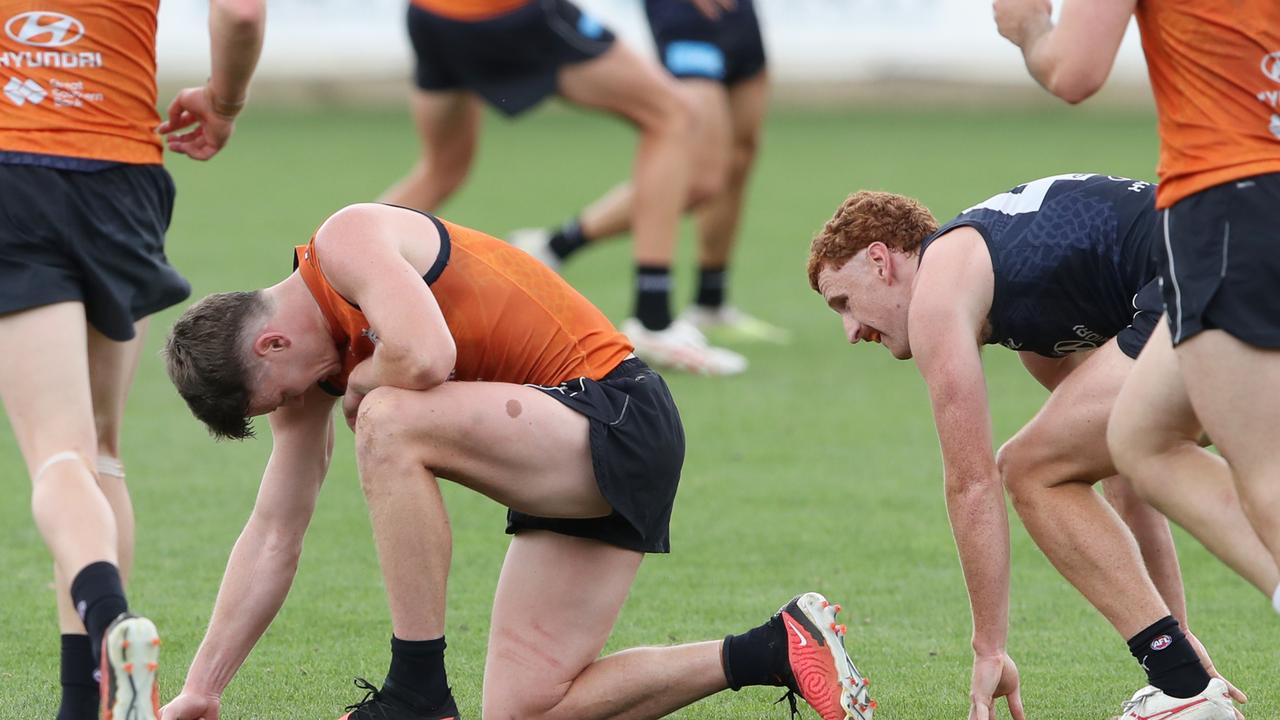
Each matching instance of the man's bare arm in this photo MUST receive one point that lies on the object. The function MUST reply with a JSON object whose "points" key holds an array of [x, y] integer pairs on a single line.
{"points": [[363, 251], [948, 312], [1073, 58], [265, 557]]}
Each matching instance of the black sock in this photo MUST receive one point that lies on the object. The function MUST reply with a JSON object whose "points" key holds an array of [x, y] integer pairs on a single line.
{"points": [[1171, 663], [417, 677], [711, 286], [568, 239], [653, 296], [757, 656], [79, 682], [98, 596]]}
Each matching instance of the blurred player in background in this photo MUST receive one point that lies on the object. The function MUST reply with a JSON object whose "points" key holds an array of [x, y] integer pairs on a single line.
{"points": [[1215, 71], [715, 49], [1059, 269], [513, 54], [84, 205], [459, 356]]}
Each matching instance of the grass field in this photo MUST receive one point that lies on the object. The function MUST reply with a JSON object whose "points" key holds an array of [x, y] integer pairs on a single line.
{"points": [[818, 469]]}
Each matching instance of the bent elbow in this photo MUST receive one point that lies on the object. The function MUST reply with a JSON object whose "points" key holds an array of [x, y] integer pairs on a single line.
{"points": [[1076, 85]]}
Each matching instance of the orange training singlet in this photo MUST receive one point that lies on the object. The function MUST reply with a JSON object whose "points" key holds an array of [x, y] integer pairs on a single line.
{"points": [[80, 79], [512, 319], [1215, 70], [470, 10]]}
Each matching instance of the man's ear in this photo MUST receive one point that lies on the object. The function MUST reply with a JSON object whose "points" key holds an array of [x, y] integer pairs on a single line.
{"points": [[881, 260], [270, 341]]}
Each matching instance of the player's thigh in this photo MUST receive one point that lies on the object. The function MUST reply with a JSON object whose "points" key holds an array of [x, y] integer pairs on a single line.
{"points": [[556, 603], [511, 442], [44, 381], [112, 366], [624, 83], [448, 123], [1066, 440], [1152, 411], [1233, 387]]}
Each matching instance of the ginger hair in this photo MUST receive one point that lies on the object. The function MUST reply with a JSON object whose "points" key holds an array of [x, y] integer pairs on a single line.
{"points": [[865, 217]]}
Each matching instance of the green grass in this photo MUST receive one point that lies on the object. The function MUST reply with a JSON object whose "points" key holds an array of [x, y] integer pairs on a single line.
{"points": [[817, 469]]}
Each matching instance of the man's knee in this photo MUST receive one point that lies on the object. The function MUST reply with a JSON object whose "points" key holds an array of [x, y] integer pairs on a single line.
{"points": [[743, 157], [509, 702], [382, 436], [1025, 464]]}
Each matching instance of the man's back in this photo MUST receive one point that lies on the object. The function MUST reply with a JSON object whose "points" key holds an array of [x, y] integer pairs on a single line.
{"points": [[80, 79], [1215, 70], [1069, 253]]}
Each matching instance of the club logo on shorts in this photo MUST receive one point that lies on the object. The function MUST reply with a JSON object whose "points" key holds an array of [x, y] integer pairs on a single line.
{"points": [[44, 29], [1161, 642], [1271, 66]]}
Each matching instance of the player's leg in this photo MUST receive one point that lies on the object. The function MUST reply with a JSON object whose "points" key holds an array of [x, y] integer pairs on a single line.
{"points": [[448, 124], [510, 442], [719, 219], [1154, 437], [111, 368], [543, 661], [623, 83], [544, 645], [611, 214], [1224, 378], [47, 398], [1049, 468]]}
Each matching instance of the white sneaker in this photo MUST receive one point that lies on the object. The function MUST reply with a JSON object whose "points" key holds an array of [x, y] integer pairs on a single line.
{"points": [[1151, 704], [681, 346], [730, 324], [536, 242]]}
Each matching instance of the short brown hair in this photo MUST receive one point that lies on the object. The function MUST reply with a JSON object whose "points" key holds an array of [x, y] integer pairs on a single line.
{"points": [[865, 217], [206, 360]]}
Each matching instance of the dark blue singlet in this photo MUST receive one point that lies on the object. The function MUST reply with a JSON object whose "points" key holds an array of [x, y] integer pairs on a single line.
{"points": [[1070, 255]]}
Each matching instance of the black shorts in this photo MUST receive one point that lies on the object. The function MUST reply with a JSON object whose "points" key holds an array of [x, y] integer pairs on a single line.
{"points": [[93, 237], [637, 450], [1147, 309], [729, 49], [1220, 261], [512, 60]]}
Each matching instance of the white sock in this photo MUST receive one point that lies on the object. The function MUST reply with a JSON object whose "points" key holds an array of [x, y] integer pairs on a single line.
{"points": [[1275, 599]]}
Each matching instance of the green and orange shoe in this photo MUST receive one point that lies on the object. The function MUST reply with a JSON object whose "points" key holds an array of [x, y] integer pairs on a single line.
{"points": [[819, 669], [386, 704], [130, 659]]}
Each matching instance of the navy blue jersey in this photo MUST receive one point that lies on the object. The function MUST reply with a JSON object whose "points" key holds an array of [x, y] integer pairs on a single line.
{"points": [[1070, 254]]}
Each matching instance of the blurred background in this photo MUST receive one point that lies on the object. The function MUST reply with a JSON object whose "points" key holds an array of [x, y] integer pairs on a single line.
{"points": [[925, 52]]}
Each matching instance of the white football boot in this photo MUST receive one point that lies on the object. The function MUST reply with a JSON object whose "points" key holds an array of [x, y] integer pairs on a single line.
{"points": [[681, 346], [536, 242], [1151, 704], [728, 323], [130, 658]]}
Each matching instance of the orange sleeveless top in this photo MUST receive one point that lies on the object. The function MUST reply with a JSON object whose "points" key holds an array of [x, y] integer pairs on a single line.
{"points": [[470, 10], [80, 79], [512, 319], [1215, 71]]}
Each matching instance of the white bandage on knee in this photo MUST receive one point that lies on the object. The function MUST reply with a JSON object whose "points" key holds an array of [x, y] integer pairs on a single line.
{"points": [[56, 458], [108, 465], [1275, 599]]}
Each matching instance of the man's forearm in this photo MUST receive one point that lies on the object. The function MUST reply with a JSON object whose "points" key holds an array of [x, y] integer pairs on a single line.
{"points": [[235, 31], [980, 525], [259, 574]]}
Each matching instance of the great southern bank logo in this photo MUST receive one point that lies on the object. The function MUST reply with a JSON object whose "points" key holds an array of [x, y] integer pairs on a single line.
{"points": [[1271, 66], [44, 29]]}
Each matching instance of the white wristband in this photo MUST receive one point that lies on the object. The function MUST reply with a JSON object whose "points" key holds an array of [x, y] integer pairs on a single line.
{"points": [[1275, 599]]}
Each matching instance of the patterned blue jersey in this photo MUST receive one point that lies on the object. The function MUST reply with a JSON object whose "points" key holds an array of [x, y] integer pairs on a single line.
{"points": [[1070, 253]]}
